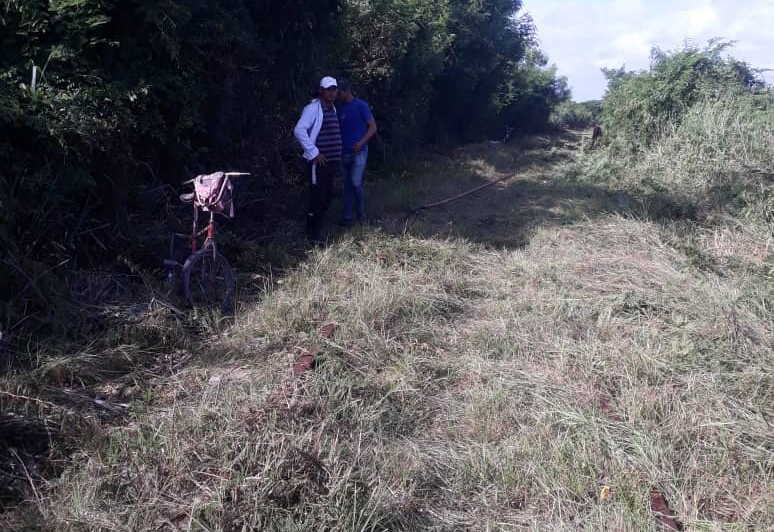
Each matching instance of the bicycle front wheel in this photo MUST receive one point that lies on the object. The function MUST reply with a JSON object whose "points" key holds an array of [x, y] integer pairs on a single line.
{"points": [[208, 280]]}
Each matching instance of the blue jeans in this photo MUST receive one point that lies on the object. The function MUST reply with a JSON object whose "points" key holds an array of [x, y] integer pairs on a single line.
{"points": [[353, 165]]}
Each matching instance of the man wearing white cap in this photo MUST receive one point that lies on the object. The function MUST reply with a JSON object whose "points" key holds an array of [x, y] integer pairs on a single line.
{"points": [[319, 133]]}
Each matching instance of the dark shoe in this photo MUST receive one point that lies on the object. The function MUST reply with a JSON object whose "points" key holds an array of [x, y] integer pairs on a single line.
{"points": [[345, 223]]}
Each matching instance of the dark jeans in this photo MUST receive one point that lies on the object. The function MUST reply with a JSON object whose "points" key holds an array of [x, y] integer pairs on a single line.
{"points": [[320, 195]]}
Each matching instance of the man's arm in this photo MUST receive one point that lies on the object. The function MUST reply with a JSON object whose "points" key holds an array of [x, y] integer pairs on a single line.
{"points": [[372, 129], [301, 132]]}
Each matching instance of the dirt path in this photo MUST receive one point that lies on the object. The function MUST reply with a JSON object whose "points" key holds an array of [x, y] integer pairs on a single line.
{"points": [[504, 215]]}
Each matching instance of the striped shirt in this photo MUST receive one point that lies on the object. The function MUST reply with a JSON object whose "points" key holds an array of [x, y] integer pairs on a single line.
{"points": [[329, 139]]}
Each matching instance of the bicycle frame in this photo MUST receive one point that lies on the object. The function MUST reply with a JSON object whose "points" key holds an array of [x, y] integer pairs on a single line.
{"points": [[209, 229], [209, 232]]}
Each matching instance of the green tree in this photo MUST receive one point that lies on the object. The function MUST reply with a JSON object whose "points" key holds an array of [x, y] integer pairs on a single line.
{"points": [[394, 51], [532, 91], [488, 40]]}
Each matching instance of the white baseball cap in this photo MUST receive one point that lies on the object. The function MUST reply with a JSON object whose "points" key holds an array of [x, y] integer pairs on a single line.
{"points": [[328, 82]]}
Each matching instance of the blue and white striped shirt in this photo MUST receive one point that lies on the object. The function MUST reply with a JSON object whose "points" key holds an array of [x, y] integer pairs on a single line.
{"points": [[329, 140]]}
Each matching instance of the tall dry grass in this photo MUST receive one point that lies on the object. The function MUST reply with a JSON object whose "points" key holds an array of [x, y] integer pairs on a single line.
{"points": [[555, 385], [547, 388], [719, 157]]}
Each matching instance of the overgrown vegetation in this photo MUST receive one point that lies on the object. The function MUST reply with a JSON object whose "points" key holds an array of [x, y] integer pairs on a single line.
{"points": [[641, 107], [102, 102], [696, 127], [570, 114], [586, 345], [553, 359]]}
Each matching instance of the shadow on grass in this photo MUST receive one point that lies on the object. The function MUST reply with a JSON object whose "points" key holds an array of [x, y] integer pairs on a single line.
{"points": [[264, 245], [507, 216], [508, 213], [111, 361]]}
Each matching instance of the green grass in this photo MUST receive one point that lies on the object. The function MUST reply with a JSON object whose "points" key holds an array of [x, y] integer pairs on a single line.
{"points": [[544, 363]]}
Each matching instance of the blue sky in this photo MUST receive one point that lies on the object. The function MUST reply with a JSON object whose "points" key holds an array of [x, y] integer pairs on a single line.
{"points": [[581, 36]]}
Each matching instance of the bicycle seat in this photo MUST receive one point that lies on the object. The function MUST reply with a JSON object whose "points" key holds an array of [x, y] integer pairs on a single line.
{"points": [[187, 198]]}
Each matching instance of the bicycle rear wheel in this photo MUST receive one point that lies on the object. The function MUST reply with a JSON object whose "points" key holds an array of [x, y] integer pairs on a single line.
{"points": [[208, 280]]}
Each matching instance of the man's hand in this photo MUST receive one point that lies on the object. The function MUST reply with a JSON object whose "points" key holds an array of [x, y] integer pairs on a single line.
{"points": [[320, 159], [358, 146]]}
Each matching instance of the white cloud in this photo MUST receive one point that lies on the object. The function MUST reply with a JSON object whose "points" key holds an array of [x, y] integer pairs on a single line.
{"points": [[581, 36], [699, 20]]}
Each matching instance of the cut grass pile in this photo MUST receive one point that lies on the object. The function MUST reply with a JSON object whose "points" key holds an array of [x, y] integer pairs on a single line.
{"points": [[562, 380]]}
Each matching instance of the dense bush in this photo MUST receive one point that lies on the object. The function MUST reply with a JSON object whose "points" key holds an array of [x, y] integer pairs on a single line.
{"points": [[697, 128], [640, 107], [130, 95]]}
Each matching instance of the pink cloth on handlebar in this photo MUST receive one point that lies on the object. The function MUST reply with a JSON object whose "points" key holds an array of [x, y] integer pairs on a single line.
{"points": [[215, 192]]}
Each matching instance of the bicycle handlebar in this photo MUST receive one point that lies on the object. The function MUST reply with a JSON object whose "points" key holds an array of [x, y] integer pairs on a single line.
{"points": [[228, 174]]}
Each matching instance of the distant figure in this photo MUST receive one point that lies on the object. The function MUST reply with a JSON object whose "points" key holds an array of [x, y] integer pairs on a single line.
{"points": [[319, 134], [357, 128], [596, 134]]}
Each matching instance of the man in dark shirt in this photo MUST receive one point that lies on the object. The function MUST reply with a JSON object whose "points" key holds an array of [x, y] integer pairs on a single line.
{"points": [[357, 128], [319, 133]]}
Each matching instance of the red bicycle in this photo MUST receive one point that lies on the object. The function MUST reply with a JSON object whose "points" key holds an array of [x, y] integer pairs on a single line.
{"points": [[208, 279]]}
